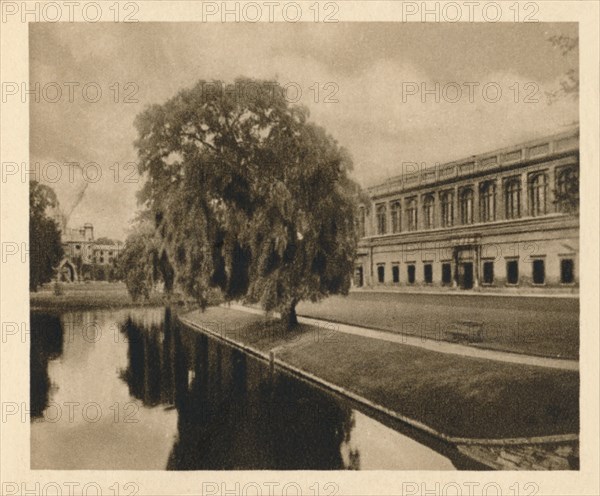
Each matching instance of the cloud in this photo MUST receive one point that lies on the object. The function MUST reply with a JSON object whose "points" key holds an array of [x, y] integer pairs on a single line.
{"points": [[353, 78]]}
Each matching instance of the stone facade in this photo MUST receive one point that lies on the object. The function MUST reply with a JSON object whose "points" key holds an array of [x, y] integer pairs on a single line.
{"points": [[81, 250], [493, 222], [547, 456]]}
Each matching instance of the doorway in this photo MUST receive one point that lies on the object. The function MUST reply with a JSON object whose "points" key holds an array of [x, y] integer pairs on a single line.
{"points": [[465, 275]]}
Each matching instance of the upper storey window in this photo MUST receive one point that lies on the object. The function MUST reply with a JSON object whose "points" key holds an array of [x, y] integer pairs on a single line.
{"points": [[428, 211], [396, 217], [466, 206], [447, 208], [381, 218], [538, 189], [512, 198], [411, 214], [567, 189], [487, 201]]}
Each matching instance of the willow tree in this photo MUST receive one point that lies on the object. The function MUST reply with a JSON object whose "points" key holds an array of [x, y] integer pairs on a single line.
{"points": [[143, 263], [247, 195]]}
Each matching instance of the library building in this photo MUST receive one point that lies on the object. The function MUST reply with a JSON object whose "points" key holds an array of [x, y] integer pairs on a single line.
{"points": [[503, 221]]}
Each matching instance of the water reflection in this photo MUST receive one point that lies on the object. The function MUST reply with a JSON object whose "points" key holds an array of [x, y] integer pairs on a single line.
{"points": [[249, 420], [200, 405], [46, 345], [151, 362]]}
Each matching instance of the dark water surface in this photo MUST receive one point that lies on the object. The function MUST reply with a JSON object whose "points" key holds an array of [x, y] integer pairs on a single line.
{"points": [[133, 389]]}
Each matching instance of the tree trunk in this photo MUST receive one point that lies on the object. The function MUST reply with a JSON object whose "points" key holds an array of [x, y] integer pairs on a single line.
{"points": [[290, 317]]}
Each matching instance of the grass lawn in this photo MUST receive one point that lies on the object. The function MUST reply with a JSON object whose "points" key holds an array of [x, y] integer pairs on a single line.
{"points": [[538, 326], [459, 396]]}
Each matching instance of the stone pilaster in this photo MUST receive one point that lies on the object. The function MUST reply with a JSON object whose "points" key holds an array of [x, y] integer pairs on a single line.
{"points": [[456, 213], [524, 196], [500, 201], [550, 185], [476, 216]]}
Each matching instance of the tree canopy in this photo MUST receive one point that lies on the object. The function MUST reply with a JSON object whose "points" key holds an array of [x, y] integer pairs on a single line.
{"points": [[247, 195], [569, 83], [45, 247], [567, 198], [105, 241]]}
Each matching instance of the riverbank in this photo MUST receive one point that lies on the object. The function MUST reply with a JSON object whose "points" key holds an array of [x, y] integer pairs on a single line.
{"points": [[536, 326], [93, 295], [457, 397]]}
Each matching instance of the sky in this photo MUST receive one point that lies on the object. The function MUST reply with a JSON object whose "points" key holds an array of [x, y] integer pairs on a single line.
{"points": [[370, 78]]}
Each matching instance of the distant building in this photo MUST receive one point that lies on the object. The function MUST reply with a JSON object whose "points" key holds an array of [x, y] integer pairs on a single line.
{"points": [[492, 222], [83, 252]]}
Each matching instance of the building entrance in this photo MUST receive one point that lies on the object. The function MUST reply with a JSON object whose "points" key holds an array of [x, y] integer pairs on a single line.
{"points": [[465, 275], [466, 262]]}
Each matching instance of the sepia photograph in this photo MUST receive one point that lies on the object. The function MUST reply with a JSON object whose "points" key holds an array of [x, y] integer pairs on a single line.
{"points": [[300, 246]]}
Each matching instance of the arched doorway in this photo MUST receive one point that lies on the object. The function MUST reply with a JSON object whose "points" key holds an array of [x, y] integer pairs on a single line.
{"points": [[67, 272]]}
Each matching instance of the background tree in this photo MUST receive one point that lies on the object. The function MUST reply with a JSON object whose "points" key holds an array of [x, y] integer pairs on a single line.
{"points": [[105, 241], [567, 197], [45, 248], [99, 272], [248, 196], [114, 269], [569, 84]]}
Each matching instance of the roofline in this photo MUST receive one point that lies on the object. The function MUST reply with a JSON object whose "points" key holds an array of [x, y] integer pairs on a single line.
{"points": [[483, 162]]}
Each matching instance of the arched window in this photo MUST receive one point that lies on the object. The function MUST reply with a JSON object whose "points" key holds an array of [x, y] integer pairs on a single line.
{"points": [[396, 217], [512, 198], [411, 214], [567, 189], [381, 219], [447, 208], [538, 189], [487, 201], [428, 211], [466, 206]]}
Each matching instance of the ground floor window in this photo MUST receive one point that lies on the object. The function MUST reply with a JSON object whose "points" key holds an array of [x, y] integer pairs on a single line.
{"points": [[567, 271], [512, 272], [488, 272], [538, 272], [428, 273], [411, 274], [358, 277], [446, 273], [395, 274], [381, 273]]}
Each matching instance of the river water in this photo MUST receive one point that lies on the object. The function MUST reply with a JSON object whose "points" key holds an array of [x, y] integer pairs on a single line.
{"points": [[134, 389]]}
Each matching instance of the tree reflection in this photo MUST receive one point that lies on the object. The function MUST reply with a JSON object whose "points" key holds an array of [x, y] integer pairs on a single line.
{"points": [[232, 414], [149, 373], [46, 344]]}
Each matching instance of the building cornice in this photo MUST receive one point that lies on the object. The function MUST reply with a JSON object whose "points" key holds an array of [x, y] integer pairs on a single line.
{"points": [[499, 227], [550, 148]]}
